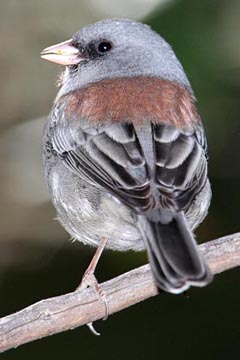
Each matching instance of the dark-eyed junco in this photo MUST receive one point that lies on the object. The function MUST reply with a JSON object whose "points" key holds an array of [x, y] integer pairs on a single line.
{"points": [[125, 150]]}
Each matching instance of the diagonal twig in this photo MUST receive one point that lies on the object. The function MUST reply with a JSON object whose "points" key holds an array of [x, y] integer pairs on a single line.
{"points": [[82, 306]]}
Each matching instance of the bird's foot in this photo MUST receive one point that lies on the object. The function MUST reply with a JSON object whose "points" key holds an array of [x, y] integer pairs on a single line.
{"points": [[89, 280]]}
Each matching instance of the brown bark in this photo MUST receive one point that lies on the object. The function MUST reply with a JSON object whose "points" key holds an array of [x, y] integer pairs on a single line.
{"points": [[84, 306]]}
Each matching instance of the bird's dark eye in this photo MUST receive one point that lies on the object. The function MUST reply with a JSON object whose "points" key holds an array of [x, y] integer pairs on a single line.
{"points": [[104, 46]]}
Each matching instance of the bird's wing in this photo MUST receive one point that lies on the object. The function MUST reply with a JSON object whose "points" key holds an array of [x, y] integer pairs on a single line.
{"points": [[181, 165], [109, 156], [112, 156]]}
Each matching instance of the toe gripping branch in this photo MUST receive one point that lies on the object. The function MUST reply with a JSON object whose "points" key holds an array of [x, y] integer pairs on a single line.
{"points": [[89, 280]]}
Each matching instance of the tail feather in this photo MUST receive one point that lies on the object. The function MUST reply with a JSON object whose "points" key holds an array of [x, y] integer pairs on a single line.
{"points": [[172, 250]]}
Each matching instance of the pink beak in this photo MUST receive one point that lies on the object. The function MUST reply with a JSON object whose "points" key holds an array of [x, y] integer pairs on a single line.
{"points": [[64, 53]]}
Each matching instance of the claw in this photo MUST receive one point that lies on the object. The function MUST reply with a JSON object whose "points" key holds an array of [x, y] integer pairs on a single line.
{"points": [[92, 329]]}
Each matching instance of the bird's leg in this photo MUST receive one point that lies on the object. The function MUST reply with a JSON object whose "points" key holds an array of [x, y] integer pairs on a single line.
{"points": [[89, 279], [93, 264]]}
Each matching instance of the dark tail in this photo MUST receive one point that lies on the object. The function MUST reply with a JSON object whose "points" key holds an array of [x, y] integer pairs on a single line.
{"points": [[173, 255]]}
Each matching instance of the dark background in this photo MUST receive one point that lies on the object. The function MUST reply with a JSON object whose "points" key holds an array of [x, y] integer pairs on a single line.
{"points": [[36, 258]]}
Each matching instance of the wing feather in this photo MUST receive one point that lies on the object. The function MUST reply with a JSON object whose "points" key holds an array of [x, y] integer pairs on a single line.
{"points": [[112, 156]]}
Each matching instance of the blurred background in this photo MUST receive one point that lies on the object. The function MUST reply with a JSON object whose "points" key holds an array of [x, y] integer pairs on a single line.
{"points": [[37, 259]]}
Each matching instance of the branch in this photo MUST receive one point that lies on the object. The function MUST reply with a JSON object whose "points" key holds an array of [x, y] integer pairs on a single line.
{"points": [[83, 306]]}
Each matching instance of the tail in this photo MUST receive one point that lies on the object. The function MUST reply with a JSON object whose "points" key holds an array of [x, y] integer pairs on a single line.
{"points": [[172, 251]]}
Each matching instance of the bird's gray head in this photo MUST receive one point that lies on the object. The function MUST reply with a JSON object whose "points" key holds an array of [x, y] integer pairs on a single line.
{"points": [[115, 48]]}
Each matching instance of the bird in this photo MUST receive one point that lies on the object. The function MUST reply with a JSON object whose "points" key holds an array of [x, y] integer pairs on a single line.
{"points": [[125, 151]]}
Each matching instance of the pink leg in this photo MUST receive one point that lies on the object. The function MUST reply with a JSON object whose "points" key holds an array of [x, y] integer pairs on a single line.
{"points": [[93, 264], [89, 279]]}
